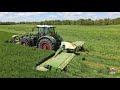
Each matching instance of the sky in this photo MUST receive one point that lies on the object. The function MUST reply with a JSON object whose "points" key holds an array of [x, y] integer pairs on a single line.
{"points": [[42, 16]]}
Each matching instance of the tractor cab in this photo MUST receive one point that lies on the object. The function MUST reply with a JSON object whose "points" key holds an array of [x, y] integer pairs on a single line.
{"points": [[44, 30], [45, 34]]}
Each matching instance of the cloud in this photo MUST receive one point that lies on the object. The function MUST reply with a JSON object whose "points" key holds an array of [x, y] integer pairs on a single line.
{"points": [[51, 17], [113, 14], [59, 13], [30, 13], [72, 15], [41, 16], [3, 14], [20, 16], [91, 15]]}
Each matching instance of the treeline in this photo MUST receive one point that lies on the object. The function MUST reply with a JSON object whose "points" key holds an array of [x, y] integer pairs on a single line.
{"points": [[82, 22], [106, 21], [7, 23]]}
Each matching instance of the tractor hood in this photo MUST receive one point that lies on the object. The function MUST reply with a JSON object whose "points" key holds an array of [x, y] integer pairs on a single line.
{"points": [[58, 37]]}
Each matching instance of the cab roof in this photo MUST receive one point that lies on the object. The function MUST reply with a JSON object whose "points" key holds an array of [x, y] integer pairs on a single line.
{"points": [[42, 26]]}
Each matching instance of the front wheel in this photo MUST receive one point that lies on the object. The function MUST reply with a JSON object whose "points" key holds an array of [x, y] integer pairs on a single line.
{"points": [[25, 42]]}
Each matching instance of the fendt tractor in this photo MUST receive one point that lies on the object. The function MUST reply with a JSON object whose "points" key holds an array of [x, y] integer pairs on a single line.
{"points": [[42, 36]]}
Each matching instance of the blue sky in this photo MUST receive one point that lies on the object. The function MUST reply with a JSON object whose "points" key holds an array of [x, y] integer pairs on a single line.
{"points": [[41, 16]]}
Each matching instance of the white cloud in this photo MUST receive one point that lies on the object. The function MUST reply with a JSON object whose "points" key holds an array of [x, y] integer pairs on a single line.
{"points": [[3, 14], [113, 14], [30, 13], [59, 13], [19, 16], [72, 15], [51, 17], [91, 15], [40, 16]]}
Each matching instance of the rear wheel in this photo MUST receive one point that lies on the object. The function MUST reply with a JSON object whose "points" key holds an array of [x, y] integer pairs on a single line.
{"points": [[46, 44]]}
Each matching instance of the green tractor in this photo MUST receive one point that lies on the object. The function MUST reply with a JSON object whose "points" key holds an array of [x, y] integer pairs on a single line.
{"points": [[42, 36]]}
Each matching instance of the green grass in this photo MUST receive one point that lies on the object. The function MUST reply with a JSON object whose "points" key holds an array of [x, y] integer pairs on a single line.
{"points": [[103, 43]]}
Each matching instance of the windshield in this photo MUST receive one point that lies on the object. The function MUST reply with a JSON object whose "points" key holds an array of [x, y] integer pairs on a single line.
{"points": [[48, 30], [51, 30]]}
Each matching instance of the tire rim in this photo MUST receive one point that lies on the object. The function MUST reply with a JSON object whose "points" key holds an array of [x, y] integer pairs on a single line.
{"points": [[45, 46]]}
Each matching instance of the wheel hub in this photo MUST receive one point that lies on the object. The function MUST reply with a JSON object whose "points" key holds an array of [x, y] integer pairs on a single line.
{"points": [[45, 46]]}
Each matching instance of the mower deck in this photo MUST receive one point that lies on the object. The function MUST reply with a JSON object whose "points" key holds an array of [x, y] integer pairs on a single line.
{"points": [[62, 57], [56, 62]]}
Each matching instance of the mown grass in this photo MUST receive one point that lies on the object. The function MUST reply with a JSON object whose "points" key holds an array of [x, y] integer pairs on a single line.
{"points": [[101, 41]]}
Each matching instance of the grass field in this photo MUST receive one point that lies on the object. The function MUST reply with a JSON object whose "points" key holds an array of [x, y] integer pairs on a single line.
{"points": [[103, 43]]}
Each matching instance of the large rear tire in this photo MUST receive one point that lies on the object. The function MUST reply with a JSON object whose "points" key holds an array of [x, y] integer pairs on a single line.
{"points": [[46, 44]]}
